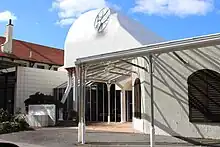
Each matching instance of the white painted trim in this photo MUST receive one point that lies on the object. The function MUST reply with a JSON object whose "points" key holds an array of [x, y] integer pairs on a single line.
{"points": [[158, 48]]}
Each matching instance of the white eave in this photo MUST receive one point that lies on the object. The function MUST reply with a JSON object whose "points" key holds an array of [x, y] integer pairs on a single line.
{"points": [[157, 48], [116, 67]]}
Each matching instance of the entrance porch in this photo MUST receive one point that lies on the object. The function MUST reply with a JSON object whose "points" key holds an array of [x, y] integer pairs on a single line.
{"points": [[99, 104]]}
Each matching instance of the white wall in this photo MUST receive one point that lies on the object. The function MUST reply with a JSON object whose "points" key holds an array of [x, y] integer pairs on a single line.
{"points": [[171, 94], [121, 33], [138, 124], [32, 80]]}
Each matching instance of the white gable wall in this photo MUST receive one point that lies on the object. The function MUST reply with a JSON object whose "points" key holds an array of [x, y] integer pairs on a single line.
{"points": [[171, 94], [32, 80], [121, 33]]}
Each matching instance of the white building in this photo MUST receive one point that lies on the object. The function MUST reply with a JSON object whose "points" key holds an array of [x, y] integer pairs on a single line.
{"points": [[174, 84], [27, 68]]}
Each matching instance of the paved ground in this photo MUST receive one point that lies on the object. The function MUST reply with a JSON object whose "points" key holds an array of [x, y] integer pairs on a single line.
{"points": [[112, 127], [67, 137]]}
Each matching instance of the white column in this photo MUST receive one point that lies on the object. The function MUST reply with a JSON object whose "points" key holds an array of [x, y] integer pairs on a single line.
{"points": [[81, 92], [97, 103], [83, 106], [115, 105], [60, 114], [90, 103], [75, 106], [103, 97], [79, 89], [123, 106], [109, 110], [152, 130]]}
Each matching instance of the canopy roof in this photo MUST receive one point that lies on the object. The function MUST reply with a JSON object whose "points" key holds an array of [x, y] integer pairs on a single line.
{"points": [[117, 66], [157, 48]]}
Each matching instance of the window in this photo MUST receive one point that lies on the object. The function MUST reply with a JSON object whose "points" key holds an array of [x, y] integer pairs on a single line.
{"points": [[23, 64], [55, 68], [137, 98], [41, 66], [204, 96]]}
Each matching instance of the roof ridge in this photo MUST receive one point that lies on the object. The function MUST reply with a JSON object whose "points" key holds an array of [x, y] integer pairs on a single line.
{"points": [[42, 53], [36, 44]]}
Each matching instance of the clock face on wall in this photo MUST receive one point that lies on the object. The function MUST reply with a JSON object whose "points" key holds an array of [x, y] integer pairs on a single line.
{"points": [[102, 19]]}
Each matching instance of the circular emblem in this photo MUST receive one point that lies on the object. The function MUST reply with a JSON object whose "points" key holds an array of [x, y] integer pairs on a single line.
{"points": [[102, 19]]}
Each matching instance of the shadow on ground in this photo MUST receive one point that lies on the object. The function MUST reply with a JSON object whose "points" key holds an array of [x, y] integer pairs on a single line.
{"points": [[67, 137], [4, 144], [201, 141]]}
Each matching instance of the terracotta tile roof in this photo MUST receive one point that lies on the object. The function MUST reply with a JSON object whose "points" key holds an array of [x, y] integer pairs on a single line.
{"points": [[40, 53]]}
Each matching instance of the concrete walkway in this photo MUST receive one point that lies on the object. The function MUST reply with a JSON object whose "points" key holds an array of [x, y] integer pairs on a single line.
{"points": [[67, 137]]}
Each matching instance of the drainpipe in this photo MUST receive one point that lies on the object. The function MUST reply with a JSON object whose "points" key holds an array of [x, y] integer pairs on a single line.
{"points": [[69, 85]]}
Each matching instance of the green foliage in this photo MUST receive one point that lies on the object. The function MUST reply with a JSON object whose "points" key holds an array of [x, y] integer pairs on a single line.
{"points": [[5, 116], [40, 98], [14, 127], [12, 123]]}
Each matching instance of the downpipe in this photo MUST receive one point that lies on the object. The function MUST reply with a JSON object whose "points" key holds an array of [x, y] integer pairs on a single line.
{"points": [[69, 85]]}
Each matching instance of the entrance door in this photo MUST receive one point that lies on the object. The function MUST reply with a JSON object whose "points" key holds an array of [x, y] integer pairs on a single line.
{"points": [[7, 87], [2, 91], [129, 106], [94, 103], [97, 103]]}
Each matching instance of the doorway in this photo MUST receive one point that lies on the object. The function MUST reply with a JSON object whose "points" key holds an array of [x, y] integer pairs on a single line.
{"points": [[7, 91], [97, 103], [128, 105]]}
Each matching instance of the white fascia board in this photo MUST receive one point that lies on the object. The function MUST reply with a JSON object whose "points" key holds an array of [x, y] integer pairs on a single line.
{"points": [[158, 48]]}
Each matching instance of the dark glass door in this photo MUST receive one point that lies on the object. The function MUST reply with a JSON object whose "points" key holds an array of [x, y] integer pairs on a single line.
{"points": [[7, 87], [129, 105]]}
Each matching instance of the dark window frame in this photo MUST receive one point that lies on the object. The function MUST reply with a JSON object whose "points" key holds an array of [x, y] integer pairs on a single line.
{"points": [[137, 98], [204, 96], [41, 66], [55, 68]]}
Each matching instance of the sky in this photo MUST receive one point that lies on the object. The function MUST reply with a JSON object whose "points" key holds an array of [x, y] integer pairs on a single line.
{"points": [[47, 22]]}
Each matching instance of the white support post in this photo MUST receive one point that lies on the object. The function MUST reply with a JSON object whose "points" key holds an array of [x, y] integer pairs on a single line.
{"points": [[83, 105], [90, 103], [103, 97], [97, 103], [60, 114], [123, 109], [152, 130], [75, 100], [79, 89], [115, 105], [127, 106], [109, 109]]}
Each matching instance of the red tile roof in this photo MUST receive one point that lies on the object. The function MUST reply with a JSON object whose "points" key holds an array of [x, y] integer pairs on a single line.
{"points": [[43, 54]]}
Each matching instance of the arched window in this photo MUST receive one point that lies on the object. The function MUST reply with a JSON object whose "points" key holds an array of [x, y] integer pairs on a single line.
{"points": [[137, 98], [204, 96]]}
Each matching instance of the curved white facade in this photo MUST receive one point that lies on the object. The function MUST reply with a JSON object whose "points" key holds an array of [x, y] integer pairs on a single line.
{"points": [[121, 33], [171, 108], [171, 98]]}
